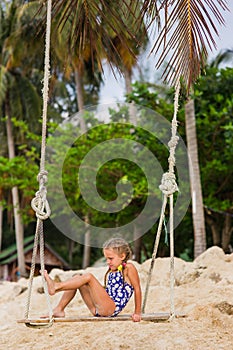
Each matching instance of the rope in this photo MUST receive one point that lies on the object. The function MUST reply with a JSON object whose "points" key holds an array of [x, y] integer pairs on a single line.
{"points": [[172, 277], [154, 252], [40, 204], [168, 187]]}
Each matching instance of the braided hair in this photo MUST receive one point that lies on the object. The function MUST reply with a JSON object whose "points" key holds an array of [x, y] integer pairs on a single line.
{"points": [[119, 246]]}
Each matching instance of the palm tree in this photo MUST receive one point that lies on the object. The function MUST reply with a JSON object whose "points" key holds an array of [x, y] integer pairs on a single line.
{"points": [[195, 181], [6, 78], [77, 63], [94, 24], [185, 36], [110, 47], [13, 103], [220, 79], [1, 218], [187, 31]]}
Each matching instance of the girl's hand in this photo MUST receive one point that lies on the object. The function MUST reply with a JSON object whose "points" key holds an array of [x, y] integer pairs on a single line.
{"points": [[136, 317]]}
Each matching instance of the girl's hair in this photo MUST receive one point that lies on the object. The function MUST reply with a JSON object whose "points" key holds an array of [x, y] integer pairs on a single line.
{"points": [[119, 246]]}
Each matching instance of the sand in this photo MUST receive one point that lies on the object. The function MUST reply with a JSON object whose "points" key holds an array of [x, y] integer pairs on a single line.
{"points": [[203, 293]]}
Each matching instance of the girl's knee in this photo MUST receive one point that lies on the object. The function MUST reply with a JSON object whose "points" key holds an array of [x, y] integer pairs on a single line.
{"points": [[89, 276], [86, 277]]}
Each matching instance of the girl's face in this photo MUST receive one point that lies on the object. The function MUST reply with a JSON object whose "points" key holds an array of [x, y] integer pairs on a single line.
{"points": [[113, 259]]}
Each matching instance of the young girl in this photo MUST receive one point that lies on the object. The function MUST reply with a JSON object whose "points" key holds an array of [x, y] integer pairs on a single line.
{"points": [[121, 280]]}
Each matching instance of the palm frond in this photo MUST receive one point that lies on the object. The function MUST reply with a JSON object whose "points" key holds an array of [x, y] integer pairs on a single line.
{"points": [[151, 11], [94, 23], [224, 56], [189, 29]]}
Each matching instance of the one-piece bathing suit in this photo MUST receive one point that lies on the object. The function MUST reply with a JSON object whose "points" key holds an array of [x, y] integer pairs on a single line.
{"points": [[119, 291]]}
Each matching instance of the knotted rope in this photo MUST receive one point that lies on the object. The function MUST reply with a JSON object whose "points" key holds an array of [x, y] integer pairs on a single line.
{"points": [[40, 204], [168, 187]]}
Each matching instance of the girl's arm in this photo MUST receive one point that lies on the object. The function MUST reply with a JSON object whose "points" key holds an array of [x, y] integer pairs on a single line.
{"points": [[135, 282]]}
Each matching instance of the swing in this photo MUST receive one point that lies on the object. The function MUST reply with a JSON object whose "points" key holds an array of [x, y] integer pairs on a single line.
{"points": [[42, 210], [153, 317]]}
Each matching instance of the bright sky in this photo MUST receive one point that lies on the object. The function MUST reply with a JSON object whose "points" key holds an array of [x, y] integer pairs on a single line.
{"points": [[114, 90], [225, 39]]}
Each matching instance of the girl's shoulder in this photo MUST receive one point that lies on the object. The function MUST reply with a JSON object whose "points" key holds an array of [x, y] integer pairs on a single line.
{"points": [[131, 274], [131, 263], [130, 266]]}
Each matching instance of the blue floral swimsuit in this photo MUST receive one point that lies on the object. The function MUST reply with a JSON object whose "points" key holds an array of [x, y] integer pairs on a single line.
{"points": [[119, 291]]}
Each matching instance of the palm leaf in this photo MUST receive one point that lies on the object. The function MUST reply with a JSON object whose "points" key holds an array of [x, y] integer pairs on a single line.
{"points": [[151, 11], [187, 34], [223, 57], [94, 23]]}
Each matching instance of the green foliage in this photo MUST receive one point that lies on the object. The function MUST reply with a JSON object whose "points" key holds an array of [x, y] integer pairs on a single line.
{"points": [[214, 114], [22, 170], [160, 99], [109, 175], [153, 97]]}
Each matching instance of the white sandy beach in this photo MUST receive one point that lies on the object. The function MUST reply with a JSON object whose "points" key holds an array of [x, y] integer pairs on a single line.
{"points": [[203, 293]]}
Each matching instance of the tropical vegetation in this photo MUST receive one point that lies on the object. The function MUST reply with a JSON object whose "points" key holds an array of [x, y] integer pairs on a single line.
{"points": [[83, 37]]}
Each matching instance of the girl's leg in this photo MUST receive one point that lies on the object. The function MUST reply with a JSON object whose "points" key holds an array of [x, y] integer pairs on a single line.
{"points": [[68, 295], [94, 295], [87, 298], [59, 310]]}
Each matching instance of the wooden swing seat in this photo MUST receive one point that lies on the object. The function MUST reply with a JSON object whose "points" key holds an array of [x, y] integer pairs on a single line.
{"points": [[153, 317]]}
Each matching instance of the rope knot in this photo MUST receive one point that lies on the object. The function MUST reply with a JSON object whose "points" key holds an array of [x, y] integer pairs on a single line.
{"points": [[168, 184], [173, 142], [42, 177], [39, 203]]}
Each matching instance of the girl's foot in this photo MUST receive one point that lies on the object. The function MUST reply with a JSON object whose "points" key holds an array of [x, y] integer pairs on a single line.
{"points": [[50, 283], [56, 313]]}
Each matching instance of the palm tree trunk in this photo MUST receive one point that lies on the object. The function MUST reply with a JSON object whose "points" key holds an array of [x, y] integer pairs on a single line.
{"points": [[1, 218], [137, 244], [87, 246], [128, 89], [1, 222], [128, 81], [215, 230], [19, 232], [80, 99], [133, 120], [71, 250], [226, 233], [195, 182]]}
